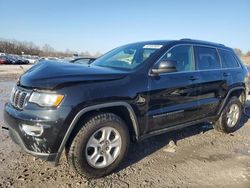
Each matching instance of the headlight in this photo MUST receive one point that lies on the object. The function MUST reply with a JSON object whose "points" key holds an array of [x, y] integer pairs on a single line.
{"points": [[46, 99]]}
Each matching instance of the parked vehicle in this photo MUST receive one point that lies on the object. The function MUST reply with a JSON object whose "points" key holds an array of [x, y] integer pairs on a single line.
{"points": [[51, 58], [23, 60], [15, 59], [83, 60], [129, 94], [30, 59], [248, 81], [6, 60], [3, 60]]}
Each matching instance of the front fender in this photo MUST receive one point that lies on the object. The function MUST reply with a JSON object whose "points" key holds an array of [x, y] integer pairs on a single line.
{"points": [[97, 107]]}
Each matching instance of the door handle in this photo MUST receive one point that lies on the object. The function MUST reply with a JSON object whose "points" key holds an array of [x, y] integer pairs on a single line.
{"points": [[226, 74], [193, 78]]}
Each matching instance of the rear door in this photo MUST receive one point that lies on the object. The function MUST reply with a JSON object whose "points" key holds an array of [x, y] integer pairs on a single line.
{"points": [[210, 82], [231, 69]]}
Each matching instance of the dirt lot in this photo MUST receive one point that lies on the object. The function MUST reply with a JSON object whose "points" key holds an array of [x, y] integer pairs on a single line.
{"points": [[201, 157]]}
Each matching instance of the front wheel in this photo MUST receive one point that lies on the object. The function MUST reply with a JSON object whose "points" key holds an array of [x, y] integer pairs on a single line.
{"points": [[229, 120], [99, 146]]}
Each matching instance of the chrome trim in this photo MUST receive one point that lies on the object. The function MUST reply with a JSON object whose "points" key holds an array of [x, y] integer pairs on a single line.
{"points": [[219, 57], [196, 70], [233, 57], [207, 47], [168, 113], [30, 133], [18, 95]]}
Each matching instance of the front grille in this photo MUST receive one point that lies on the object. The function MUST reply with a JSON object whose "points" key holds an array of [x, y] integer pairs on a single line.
{"points": [[19, 97]]}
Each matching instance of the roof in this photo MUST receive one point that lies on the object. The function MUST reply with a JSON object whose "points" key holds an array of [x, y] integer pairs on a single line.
{"points": [[187, 41], [202, 42]]}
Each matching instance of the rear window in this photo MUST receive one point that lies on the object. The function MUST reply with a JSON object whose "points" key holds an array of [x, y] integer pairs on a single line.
{"points": [[207, 58], [227, 59]]}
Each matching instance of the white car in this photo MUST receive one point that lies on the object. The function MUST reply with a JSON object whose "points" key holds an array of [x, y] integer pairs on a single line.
{"points": [[30, 58]]}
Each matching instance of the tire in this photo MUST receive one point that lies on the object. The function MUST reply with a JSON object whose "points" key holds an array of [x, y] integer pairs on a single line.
{"points": [[81, 150], [222, 124]]}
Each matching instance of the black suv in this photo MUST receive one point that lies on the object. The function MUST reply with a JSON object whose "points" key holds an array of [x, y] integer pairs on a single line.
{"points": [[129, 94]]}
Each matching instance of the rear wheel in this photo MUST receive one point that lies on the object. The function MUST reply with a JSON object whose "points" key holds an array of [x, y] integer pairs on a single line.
{"points": [[99, 146], [229, 120]]}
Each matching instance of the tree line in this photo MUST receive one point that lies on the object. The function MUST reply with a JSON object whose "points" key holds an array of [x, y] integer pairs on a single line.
{"points": [[240, 53], [23, 47]]}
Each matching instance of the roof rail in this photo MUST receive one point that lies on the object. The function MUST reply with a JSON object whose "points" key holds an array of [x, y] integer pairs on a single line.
{"points": [[185, 39], [221, 44], [188, 39]]}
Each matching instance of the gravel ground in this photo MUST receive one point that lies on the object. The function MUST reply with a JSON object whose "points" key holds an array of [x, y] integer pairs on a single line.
{"points": [[197, 156]]}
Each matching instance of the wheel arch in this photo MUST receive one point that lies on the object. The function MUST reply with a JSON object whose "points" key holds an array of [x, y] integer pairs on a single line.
{"points": [[106, 106], [237, 91]]}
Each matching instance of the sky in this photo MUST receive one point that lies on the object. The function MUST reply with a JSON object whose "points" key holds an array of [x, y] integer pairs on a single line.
{"points": [[100, 25]]}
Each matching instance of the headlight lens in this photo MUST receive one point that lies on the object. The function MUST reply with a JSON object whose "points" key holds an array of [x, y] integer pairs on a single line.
{"points": [[46, 99]]}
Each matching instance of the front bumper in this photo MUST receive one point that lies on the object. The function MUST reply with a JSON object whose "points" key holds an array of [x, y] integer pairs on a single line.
{"points": [[17, 139], [44, 146]]}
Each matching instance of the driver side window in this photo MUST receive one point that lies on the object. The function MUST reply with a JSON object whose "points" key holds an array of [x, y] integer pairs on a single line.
{"points": [[183, 56]]}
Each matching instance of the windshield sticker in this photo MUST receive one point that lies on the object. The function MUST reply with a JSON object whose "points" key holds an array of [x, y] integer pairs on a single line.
{"points": [[153, 46]]}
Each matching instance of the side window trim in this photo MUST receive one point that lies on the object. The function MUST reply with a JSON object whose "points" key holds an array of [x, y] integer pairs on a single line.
{"points": [[217, 50], [206, 46], [234, 56], [193, 59], [237, 60]]}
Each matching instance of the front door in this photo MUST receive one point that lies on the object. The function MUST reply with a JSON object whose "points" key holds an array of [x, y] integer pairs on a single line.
{"points": [[173, 96]]}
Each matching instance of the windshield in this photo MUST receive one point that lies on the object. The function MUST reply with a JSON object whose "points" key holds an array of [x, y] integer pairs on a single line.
{"points": [[127, 57]]}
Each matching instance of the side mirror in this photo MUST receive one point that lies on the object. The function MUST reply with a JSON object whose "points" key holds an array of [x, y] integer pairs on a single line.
{"points": [[164, 67]]}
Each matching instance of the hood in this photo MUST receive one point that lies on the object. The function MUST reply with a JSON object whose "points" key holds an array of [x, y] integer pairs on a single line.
{"points": [[50, 74]]}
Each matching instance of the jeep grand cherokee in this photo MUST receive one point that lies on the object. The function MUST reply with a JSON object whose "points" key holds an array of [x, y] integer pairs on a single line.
{"points": [[131, 93]]}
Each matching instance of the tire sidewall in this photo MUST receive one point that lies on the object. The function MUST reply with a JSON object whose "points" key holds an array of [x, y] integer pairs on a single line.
{"points": [[80, 149], [233, 100]]}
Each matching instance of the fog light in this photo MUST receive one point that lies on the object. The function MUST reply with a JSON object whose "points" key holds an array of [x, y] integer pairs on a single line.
{"points": [[33, 130]]}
